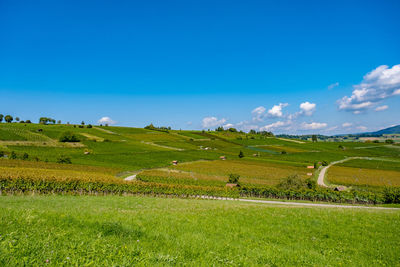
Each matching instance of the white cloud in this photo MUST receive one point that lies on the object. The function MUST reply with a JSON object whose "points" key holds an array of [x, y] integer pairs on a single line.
{"points": [[333, 85], [274, 126], [347, 124], [307, 108], [381, 108], [258, 113], [276, 110], [208, 122], [381, 83], [362, 128], [313, 125], [228, 125], [106, 120], [246, 126]]}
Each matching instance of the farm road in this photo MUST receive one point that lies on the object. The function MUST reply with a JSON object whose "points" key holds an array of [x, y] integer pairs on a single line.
{"points": [[322, 173]]}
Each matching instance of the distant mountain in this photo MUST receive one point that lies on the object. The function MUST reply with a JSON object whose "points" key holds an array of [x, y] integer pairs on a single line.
{"points": [[390, 130]]}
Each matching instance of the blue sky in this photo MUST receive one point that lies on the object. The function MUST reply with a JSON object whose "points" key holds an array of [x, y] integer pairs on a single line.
{"points": [[200, 64]]}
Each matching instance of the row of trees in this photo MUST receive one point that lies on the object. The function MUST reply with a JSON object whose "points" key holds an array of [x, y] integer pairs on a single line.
{"points": [[9, 118]]}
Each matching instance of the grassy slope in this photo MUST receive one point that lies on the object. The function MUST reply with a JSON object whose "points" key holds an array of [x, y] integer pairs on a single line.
{"points": [[130, 149], [116, 230]]}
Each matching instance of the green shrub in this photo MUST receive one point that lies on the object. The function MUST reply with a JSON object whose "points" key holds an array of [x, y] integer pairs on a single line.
{"points": [[233, 178], [68, 137], [391, 195], [292, 182], [64, 159], [1, 154], [324, 163], [25, 156], [241, 155], [13, 155]]}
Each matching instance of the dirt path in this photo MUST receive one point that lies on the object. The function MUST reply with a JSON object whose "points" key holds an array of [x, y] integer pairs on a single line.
{"points": [[130, 178], [162, 146], [322, 173], [313, 204]]}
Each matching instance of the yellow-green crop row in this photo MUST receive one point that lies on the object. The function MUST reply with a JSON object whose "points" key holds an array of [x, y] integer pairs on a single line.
{"points": [[250, 171], [362, 176]]}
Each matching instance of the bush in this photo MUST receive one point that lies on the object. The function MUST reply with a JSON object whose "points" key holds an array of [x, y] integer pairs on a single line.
{"points": [[64, 159], [324, 163], [68, 137], [241, 155], [292, 182], [13, 155], [389, 141], [391, 195], [283, 152], [233, 178], [1, 154], [89, 126], [25, 156]]}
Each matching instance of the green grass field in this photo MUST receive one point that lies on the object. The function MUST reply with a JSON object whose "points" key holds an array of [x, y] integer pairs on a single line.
{"points": [[113, 230]]}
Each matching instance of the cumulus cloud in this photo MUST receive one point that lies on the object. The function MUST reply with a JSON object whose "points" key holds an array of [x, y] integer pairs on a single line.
{"points": [[274, 126], [333, 85], [208, 122], [258, 113], [307, 108], [106, 120], [313, 125], [228, 125], [347, 124], [381, 108], [381, 83], [276, 110], [362, 128]]}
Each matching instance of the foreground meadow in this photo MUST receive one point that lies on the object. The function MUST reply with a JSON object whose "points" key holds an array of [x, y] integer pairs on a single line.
{"points": [[115, 230]]}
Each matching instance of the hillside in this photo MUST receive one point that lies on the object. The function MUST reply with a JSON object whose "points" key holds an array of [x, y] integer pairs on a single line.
{"points": [[389, 130]]}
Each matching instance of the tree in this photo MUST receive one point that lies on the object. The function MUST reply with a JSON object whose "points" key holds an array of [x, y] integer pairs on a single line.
{"points": [[59, 121], [64, 159], [25, 156], [233, 178], [13, 155], [82, 123], [314, 138], [28, 121], [45, 120], [219, 129], [17, 118], [389, 141], [68, 137], [241, 155], [8, 118], [1, 117]]}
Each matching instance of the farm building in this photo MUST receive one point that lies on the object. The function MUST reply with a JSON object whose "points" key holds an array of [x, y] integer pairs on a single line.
{"points": [[175, 162], [222, 158]]}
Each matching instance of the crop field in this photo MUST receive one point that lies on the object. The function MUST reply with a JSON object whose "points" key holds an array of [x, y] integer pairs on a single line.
{"points": [[116, 230], [251, 172], [359, 176], [150, 154]]}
